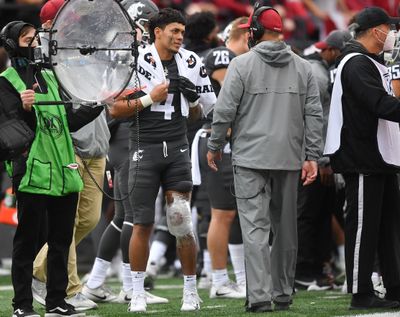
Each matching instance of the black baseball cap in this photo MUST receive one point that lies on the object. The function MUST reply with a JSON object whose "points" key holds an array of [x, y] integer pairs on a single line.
{"points": [[373, 16]]}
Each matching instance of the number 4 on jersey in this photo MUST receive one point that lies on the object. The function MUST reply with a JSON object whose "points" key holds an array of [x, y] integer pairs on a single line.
{"points": [[165, 107]]}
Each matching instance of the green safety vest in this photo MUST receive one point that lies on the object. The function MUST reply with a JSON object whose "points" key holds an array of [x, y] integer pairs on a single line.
{"points": [[51, 168]]}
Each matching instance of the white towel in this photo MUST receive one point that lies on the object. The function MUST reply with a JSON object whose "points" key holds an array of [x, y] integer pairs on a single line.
{"points": [[189, 65], [196, 175]]}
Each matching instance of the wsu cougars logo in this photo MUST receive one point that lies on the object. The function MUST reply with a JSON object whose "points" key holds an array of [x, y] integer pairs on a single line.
{"points": [[136, 9], [191, 61], [149, 59], [137, 156], [203, 72]]}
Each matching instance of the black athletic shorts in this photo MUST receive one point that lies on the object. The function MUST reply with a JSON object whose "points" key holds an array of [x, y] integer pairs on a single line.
{"points": [[166, 164], [219, 184]]}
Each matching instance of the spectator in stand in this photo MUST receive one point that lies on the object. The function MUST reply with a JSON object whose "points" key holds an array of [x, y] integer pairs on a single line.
{"points": [[390, 6], [175, 4], [331, 15], [28, 10]]}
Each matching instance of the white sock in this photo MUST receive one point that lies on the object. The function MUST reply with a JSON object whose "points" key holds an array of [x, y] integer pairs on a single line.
{"points": [[189, 283], [157, 251], [236, 252], [207, 262], [340, 249], [137, 282], [98, 273], [177, 264], [126, 277], [219, 277]]}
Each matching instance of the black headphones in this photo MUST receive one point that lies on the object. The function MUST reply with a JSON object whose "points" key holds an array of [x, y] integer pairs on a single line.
{"points": [[6, 41], [256, 28]]}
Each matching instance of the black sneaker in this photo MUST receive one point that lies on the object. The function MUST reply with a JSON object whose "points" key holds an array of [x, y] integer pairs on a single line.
{"points": [[25, 312], [259, 308], [63, 310], [282, 305], [371, 301]]}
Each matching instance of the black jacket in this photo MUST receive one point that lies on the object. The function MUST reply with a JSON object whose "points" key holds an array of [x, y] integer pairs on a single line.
{"points": [[10, 102], [364, 101], [11, 107]]}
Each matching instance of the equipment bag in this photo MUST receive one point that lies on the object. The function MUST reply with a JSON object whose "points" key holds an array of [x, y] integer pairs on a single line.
{"points": [[15, 138]]}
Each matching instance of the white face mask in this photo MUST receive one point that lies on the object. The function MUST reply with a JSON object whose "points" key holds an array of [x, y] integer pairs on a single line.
{"points": [[390, 41]]}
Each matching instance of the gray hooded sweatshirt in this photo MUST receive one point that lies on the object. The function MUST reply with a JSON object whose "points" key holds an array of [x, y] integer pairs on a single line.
{"points": [[92, 140], [271, 101]]}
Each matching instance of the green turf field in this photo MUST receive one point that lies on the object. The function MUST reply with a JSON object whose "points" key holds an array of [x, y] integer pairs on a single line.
{"points": [[306, 304]]}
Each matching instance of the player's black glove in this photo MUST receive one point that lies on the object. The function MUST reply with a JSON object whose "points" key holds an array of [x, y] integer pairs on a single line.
{"points": [[188, 89]]}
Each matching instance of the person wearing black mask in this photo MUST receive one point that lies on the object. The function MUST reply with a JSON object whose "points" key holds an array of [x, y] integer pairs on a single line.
{"points": [[45, 178], [363, 142], [316, 202]]}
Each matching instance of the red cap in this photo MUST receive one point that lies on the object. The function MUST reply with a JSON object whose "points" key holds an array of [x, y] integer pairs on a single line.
{"points": [[269, 19], [50, 9], [321, 45]]}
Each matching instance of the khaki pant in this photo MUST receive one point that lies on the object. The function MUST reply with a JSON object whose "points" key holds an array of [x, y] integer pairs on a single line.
{"points": [[87, 216]]}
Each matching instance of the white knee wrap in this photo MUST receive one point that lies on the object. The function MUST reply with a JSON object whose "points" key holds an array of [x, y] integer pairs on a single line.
{"points": [[179, 218]]}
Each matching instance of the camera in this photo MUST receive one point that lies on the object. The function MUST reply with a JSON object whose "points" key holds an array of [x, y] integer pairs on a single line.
{"points": [[38, 55]]}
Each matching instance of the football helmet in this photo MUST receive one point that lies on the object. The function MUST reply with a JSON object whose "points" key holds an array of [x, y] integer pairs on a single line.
{"points": [[140, 11]]}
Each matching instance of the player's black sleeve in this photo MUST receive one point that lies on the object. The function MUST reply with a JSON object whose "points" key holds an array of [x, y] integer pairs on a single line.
{"points": [[218, 58]]}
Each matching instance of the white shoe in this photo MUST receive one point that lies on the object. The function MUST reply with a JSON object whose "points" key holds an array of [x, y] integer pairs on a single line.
{"points": [[377, 283], [153, 299], [344, 287], [39, 291], [242, 288], [204, 281], [81, 303], [137, 303], [152, 269], [228, 290], [317, 288], [100, 294], [125, 297], [190, 301], [5, 272]]}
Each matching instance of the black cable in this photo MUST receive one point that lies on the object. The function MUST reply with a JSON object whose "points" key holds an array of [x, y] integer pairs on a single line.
{"points": [[136, 79], [262, 190], [137, 161]]}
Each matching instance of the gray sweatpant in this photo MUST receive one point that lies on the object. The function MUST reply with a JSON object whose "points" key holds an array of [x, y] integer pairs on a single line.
{"points": [[270, 275]]}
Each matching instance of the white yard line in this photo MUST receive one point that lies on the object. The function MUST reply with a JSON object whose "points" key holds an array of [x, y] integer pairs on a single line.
{"points": [[6, 288], [172, 286], [213, 306], [394, 314], [332, 296]]}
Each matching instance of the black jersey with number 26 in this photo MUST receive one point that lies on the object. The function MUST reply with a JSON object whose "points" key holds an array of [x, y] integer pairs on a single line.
{"points": [[217, 58]]}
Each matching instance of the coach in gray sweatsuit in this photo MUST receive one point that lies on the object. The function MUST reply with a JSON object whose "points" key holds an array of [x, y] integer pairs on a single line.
{"points": [[271, 101]]}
